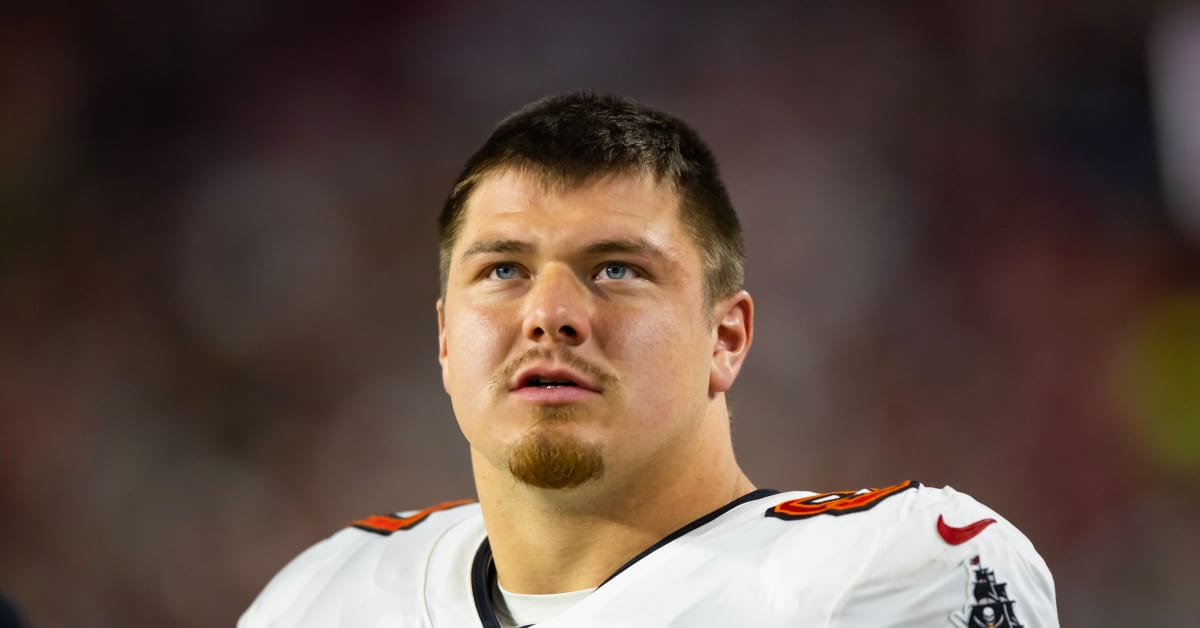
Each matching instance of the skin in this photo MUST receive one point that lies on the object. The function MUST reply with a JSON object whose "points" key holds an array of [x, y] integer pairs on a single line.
{"points": [[606, 273]]}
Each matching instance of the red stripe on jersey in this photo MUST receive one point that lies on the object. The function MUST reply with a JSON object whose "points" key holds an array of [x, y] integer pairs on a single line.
{"points": [[387, 524]]}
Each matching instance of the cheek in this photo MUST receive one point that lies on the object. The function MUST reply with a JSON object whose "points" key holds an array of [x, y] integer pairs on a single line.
{"points": [[664, 358], [477, 341]]}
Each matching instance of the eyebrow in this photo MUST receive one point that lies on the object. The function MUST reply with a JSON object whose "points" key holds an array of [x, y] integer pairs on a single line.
{"points": [[485, 247], [629, 246]]}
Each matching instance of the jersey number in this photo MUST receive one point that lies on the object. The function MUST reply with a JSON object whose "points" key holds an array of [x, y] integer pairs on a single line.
{"points": [[837, 503]]}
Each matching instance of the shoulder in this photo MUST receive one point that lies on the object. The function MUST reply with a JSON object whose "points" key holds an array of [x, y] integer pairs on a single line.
{"points": [[350, 559], [924, 518], [922, 555]]}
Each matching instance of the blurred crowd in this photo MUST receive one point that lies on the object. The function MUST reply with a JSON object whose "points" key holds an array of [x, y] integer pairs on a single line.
{"points": [[218, 272]]}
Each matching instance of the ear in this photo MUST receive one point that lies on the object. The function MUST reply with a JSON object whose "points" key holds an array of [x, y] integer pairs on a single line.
{"points": [[735, 331], [442, 353]]}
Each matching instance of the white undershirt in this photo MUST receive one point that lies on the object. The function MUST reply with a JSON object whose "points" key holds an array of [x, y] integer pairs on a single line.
{"points": [[521, 609]]}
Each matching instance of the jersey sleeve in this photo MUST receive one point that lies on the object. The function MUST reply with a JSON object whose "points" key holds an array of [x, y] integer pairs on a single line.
{"points": [[287, 594], [944, 559], [367, 574]]}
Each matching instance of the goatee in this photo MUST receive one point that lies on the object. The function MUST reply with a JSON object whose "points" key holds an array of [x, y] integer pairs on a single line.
{"points": [[546, 459]]}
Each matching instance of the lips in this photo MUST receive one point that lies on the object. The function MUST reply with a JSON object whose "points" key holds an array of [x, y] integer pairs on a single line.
{"points": [[551, 378]]}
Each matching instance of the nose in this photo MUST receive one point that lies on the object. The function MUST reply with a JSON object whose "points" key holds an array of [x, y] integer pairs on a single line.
{"points": [[559, 308]]}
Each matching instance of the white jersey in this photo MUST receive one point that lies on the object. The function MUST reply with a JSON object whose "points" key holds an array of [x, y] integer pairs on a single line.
{"points": [[905, 555]]}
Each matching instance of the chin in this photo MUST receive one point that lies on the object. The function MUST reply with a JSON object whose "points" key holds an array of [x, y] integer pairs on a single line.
{"points": [[550, 459]]}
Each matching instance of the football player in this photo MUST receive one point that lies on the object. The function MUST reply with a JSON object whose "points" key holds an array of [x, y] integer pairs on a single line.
{"points": [[591, 320]]}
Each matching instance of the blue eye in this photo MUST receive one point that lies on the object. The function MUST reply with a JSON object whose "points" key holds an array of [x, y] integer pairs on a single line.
{"points": [[504, 271], [615, 270]]}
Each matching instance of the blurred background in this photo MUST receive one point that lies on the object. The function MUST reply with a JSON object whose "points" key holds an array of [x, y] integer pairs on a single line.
{"points": [[974, 235]]}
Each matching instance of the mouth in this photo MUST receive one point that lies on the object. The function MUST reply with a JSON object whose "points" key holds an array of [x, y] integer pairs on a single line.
{"points": [[542, 378], [548, 383]]}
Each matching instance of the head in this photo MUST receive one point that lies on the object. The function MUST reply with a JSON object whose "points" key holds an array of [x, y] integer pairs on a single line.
{"points": [[573, 138], [591, 309]]}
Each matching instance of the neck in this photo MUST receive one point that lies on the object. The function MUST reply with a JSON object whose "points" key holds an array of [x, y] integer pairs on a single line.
{"points": [[554, 541]]}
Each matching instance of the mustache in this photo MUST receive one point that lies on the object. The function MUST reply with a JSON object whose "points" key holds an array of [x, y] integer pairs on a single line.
{"points": [[599, 376]]}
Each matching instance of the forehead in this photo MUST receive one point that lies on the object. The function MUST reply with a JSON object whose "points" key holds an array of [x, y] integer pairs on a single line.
{"points": [[537, 207]]}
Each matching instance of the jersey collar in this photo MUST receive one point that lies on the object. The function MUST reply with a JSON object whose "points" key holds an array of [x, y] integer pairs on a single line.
{"points": [[483, 568]]}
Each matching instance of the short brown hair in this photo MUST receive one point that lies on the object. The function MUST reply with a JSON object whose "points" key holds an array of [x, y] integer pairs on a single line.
{"points": [[573, 138]]}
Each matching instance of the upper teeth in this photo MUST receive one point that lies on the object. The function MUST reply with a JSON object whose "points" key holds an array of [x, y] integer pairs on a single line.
{"points": [[538, 381]]}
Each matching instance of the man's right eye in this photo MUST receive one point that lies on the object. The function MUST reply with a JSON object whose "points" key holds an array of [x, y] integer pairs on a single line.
{"points": [[504, 271]]}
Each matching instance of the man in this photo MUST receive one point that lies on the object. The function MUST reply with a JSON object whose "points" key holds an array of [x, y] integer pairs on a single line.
{"points": [[591, 320]]}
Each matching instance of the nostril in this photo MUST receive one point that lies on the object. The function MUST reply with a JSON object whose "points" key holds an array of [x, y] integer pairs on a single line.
{"points": [[567, 330]]}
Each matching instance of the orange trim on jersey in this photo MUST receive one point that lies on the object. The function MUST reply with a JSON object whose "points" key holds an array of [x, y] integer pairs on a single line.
{"points": [[837, 503], [387, 524]]}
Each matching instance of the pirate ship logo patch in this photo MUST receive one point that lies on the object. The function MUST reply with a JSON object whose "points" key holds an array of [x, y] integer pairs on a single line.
{"points": [[992, 608]]}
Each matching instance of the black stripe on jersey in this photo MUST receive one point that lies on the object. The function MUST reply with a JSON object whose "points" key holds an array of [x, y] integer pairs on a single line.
{"points": [[483, 570], [748, 497], [483, 573]]}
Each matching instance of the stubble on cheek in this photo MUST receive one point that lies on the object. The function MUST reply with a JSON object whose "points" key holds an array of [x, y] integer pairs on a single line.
{"points": [[546, 458]]}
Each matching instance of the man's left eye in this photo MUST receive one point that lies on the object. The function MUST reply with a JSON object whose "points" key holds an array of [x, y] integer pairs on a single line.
{"points": [[615, 270]]}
